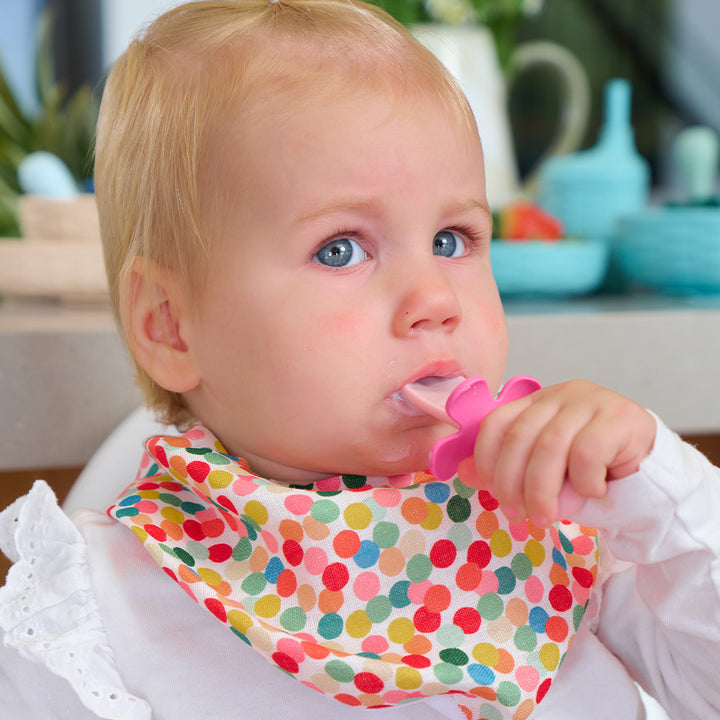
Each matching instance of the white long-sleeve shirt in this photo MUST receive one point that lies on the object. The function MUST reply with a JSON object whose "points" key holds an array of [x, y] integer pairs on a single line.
{"points": [[94, 628]]}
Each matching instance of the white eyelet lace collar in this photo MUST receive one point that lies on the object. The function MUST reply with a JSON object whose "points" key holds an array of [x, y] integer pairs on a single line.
{"points": [[48, 610]]}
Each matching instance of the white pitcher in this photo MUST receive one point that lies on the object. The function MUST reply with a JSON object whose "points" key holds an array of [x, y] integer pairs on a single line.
{"points": [[468, 52]]}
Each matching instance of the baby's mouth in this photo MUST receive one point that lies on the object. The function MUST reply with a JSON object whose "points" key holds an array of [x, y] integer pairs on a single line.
{"points": [[430, 394]]}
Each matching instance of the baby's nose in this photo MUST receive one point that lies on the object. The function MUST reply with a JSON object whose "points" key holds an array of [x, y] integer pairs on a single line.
{"points": [[428, 303]]}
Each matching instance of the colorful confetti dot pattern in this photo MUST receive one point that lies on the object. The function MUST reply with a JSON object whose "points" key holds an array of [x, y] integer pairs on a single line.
{"points": [[373, 591]]}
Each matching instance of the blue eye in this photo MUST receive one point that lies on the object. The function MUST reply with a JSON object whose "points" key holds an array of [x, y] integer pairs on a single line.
{"points": [[448, 244], [342, 252]]}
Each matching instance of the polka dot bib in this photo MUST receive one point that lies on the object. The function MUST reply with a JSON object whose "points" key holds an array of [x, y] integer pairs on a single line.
{"points": [[373, 591]]}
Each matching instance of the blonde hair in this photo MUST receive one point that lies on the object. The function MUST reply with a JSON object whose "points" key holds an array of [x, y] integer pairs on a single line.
{"points": [[168, 95]]}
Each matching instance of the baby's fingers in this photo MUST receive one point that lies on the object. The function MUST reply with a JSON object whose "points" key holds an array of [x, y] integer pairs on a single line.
{"points": [[606, 449], [533, 488], [504, 447], [576, 432], [490, 439]]}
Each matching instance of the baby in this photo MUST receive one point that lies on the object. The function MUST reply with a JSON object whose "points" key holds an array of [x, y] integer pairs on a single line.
{"points": [[294, 216]]}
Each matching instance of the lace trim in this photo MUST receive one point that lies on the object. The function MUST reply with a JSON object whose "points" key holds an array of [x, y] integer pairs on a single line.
{"points": [[48, 610]]}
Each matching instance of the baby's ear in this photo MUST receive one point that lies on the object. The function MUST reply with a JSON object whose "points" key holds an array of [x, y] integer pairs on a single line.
{"points": [[154, 313]]}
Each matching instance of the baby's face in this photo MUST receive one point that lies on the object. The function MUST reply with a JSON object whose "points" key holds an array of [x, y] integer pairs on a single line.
{"points": [[355, 259]]}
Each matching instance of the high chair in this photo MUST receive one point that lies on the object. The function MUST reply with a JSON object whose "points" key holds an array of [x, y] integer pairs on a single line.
{"points": [[114, 464]]}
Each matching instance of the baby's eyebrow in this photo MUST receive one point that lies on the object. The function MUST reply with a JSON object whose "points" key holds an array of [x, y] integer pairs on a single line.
{"points": [[472, 204], [371, 206], [358, 206]]}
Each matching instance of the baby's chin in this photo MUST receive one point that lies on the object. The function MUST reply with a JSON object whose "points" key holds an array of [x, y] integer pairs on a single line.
{"points": [[407, 457], [388, 459], [403, 461]]}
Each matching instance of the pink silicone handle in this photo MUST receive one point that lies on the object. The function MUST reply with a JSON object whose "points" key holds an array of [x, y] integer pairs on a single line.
{"points": [[467, 405]]}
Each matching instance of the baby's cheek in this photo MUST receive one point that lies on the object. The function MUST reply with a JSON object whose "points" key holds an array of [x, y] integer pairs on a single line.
{"points": [[348, 324], [496, 326], [486, 314], [486, 339]]}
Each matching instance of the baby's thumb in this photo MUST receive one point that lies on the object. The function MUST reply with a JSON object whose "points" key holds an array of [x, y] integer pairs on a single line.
{"points": [[467, 472]]}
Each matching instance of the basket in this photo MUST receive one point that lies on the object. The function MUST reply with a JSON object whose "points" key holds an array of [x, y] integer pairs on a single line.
{"points": [[46, 218], [60, 254], [47, 268], [673, 250]]}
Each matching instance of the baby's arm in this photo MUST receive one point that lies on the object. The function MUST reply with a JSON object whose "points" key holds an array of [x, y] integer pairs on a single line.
{"points": [[577, 433], [657, 503], [661, 614]]}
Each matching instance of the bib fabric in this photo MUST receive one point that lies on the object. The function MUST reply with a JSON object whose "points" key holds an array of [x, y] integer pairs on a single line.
{"points": [[374, 591]]}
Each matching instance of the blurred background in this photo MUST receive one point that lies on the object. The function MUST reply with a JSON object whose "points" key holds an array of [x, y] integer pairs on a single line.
{"points": [[652, 333], [667, 49]]}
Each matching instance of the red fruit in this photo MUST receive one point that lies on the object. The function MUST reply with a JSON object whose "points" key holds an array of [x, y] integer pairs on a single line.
{"points": [[526, 221]]}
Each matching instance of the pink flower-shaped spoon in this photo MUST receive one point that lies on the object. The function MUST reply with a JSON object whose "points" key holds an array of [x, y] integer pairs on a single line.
{"points": [[463, 403]]}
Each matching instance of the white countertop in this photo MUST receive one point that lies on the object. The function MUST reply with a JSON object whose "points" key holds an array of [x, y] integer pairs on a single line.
{"points": [[663, 354], [66, 381]]}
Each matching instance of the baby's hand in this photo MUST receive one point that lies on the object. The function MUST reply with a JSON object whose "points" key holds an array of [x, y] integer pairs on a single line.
{"points": [[576, 432]]}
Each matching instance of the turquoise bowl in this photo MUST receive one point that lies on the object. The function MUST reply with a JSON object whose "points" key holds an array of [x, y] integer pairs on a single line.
{"points": [[546, 268]]}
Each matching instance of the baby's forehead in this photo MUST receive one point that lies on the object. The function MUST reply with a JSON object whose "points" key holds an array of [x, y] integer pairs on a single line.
{"points": [[274, 77], [315, 66]]}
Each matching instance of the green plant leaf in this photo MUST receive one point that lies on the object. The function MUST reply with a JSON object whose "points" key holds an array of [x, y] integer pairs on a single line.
{"points": [[13, 123], [45, 65], [63, 125], [7, 96], [9, 211], [407, 12]]}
